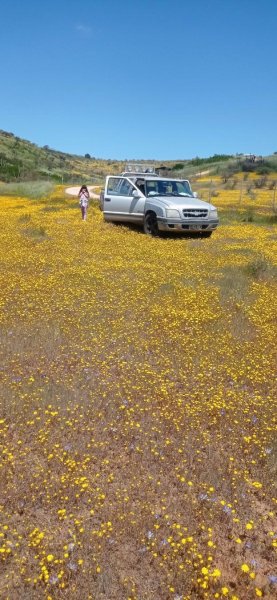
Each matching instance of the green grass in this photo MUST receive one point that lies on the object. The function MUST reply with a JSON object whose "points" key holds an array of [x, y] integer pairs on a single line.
{"points": [[235, 215], [28, 189], [260, 268], [36, 233]]}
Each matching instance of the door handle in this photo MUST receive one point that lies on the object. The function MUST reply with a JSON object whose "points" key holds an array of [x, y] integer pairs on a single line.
{"points": [[107, 199]]}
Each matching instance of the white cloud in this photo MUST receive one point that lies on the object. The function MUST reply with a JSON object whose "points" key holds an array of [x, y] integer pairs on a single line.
{"points": [[84, 29]]}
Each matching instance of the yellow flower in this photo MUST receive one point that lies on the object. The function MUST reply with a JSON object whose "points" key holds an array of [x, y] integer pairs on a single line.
{"points": [[50, 557], [216, 573], [245, 568]]}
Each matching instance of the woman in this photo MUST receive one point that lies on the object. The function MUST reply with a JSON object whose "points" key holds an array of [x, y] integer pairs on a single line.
{"points": [[83, 201]]}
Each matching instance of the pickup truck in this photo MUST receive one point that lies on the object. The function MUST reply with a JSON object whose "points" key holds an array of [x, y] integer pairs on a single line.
{"points": [[157, 203]]}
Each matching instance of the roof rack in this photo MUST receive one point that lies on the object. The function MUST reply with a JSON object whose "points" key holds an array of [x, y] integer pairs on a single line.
{"points": [[139, 169]]}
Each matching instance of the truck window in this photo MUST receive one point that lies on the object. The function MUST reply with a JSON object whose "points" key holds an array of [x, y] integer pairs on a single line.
{"points": [[113, 185], [140, 183], [126, 188]]}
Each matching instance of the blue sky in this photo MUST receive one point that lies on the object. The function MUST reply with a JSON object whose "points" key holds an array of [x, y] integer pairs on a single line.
{"points": [[160, 79]]}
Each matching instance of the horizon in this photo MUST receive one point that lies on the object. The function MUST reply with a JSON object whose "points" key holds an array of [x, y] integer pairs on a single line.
{"points": [[169, 80]]}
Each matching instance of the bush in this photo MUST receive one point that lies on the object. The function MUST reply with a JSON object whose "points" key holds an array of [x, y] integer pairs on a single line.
{"points": [[232, 184], [30, 189], [230, 171], [264, 169], [178, 166], [261, 182], [249, 216], [211, 159], [36, 233], [257, 268], [252, 194]]}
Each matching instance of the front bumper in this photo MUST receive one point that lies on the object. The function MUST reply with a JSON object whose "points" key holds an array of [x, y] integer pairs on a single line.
{"points": [[187, 225]]}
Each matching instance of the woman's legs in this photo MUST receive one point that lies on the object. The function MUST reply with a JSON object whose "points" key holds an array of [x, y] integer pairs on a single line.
{"points": [[84, 212]]}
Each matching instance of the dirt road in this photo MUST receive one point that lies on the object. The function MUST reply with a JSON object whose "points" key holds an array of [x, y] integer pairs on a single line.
{"points": [[73, 191]]}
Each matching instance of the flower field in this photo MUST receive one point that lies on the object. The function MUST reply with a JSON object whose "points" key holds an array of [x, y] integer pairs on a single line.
{"points": [[138, 406]]}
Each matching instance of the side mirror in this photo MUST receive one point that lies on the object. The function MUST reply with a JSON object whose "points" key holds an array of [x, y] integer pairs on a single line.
{"points": [[136, 194], [195, 194]]}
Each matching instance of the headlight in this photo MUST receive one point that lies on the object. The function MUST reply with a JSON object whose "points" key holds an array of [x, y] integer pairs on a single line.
{"points": [[213, 213], [172, 214]]}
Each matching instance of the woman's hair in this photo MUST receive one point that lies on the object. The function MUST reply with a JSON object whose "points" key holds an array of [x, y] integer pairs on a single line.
{"points": [[84, 187]]}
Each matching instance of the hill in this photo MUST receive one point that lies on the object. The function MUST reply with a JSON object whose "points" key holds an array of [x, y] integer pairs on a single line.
{"points": [[22, 160]]}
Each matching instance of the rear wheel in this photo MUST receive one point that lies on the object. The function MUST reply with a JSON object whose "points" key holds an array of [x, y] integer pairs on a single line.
{"points": [[150, 225]]}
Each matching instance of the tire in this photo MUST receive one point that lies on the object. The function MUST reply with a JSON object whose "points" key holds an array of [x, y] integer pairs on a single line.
{"points": [[207, 234], [150, 225]]}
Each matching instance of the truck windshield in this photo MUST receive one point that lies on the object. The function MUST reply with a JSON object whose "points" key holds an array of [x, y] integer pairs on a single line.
{"points": [[167, 187]]}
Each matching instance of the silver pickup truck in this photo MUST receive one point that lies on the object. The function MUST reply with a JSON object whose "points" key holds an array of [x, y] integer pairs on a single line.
{"points": [[157, 203]]}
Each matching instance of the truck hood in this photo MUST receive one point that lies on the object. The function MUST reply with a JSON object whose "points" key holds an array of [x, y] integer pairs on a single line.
{"points": [[181, 202]]}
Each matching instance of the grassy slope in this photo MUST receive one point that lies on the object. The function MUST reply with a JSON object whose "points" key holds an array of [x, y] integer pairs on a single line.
{"points": [[22, 160]]}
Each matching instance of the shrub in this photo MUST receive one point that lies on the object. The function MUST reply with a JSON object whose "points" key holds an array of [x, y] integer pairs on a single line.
{"points": [[249, 216], [264, 169], [37, 233], [211, 159], [29, 189], [261, 182], [230, 184], [257, 268], [178, 167], [24, 218], [252, 194]]}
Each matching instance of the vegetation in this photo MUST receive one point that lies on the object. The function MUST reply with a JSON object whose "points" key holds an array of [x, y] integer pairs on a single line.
{"points": [[31, 189], [138, 411], [212, 159], [22, 161]]}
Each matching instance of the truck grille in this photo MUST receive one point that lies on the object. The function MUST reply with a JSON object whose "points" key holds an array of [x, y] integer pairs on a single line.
{"points": [[195, 213]]}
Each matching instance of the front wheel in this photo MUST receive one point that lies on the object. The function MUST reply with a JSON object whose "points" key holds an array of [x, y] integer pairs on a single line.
{"points": [[150, 225], [207, 234]]}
